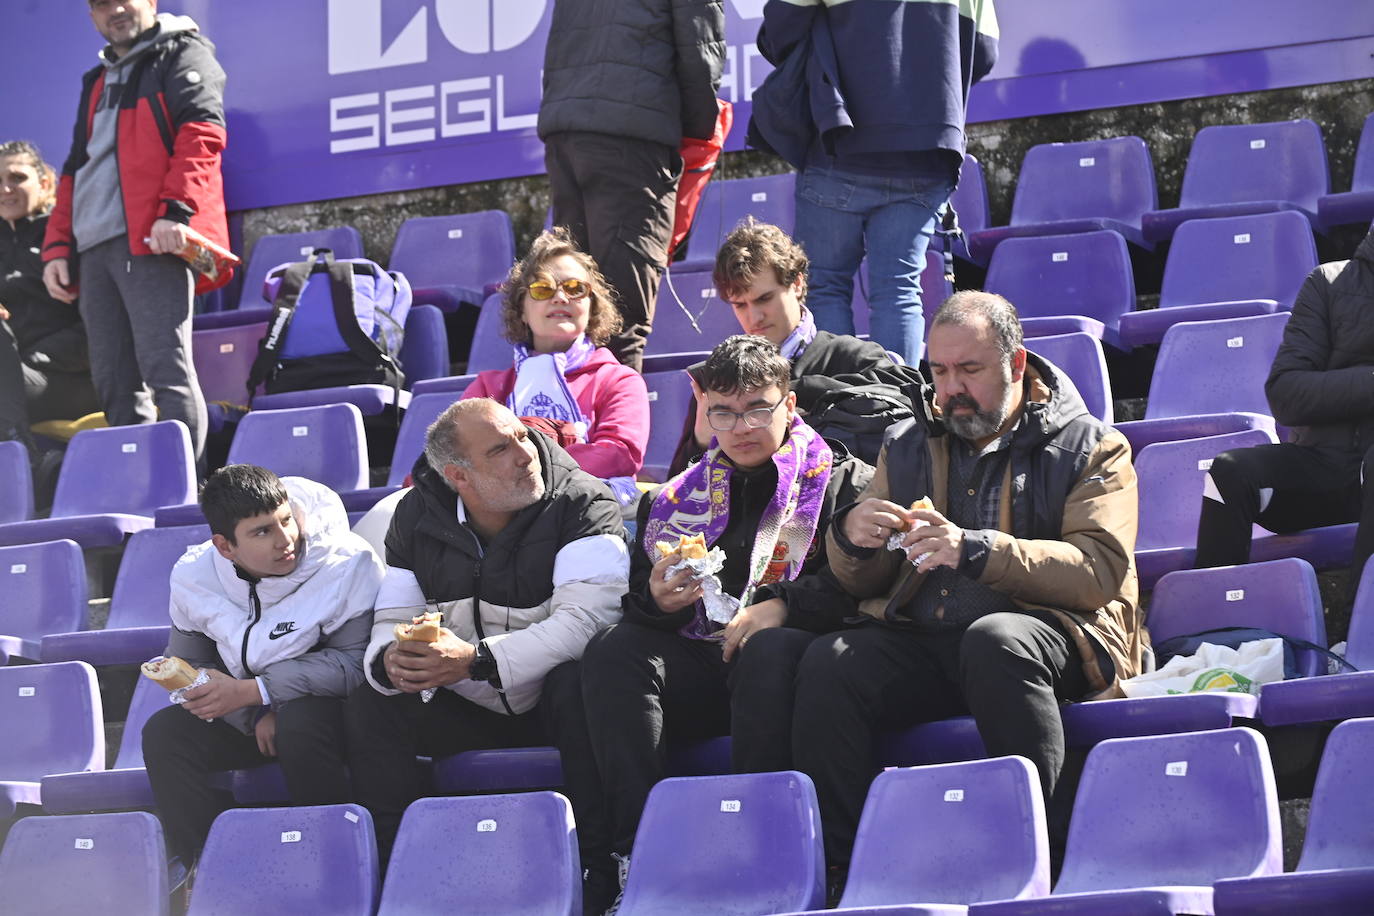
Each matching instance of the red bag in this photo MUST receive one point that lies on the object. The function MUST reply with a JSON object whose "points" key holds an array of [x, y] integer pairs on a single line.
{"points": [[699, 158]]}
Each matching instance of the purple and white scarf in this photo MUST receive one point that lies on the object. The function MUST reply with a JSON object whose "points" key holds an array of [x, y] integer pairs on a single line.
{"points": [[801, 336], [697, 501]]}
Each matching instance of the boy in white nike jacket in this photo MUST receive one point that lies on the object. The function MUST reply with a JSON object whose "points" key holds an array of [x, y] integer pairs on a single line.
{"points": [[277, 608]]}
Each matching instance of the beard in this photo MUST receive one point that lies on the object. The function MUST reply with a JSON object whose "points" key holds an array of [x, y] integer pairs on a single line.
{"points": [[501, 496], [982, 423]]}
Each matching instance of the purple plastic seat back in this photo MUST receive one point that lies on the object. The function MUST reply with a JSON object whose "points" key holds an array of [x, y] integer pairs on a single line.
{"points": [[490, 349], [16, 483], [1215, 366], [126, 469], [85, 863], [1277, 595], [288, 861], [223, 358], [1171, 476], [1363, 179], [1239, 163], [1359, 650], [769, 199], [410, 441], [673, 331], [45, 590], [424, 352], [1080, 357], [970, 198], [1087, 274], [148, 699], [325, 444], [1338, 828], [271, 250], [728, 845], [53, 723], [1112, 179], [670, 399], [513, 853], [982, 836], [143, 589], [1261, 256], [452, 260], [1182, 809]]}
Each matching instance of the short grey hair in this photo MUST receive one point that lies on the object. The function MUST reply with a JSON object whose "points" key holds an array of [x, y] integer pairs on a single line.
{"points": [[967, 305], [443, 446]]}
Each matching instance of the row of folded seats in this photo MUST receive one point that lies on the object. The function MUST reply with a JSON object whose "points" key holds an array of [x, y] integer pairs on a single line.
{"points": [[1185, 823]]}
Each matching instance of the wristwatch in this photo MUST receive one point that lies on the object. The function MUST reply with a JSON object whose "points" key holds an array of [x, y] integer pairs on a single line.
{"points": [[484, 668]]}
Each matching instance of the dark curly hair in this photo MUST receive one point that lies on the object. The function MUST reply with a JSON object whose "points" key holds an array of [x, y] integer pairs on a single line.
{"points": [[751, 248], [603, 318]]}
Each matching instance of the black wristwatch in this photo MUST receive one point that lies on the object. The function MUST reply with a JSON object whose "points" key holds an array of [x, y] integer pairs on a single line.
{"points": [[484, 668]]}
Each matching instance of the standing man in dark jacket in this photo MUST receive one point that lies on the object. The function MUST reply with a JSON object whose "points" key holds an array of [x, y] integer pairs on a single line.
{"points": [[877, 184], [144, 165], [1322, 386], [624, 82]]}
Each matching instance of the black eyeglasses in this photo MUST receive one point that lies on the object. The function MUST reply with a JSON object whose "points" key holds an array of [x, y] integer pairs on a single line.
{"points": [[722, 420], [541, 290]]}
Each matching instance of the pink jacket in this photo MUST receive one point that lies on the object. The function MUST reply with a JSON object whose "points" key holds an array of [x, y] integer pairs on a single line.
{"points": [[616, 404]]}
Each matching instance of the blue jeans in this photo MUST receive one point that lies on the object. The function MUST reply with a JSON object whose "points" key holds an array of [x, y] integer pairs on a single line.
{"points": [[839, 215]]}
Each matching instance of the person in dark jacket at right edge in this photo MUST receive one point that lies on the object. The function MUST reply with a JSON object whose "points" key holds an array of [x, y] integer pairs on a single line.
{"points": [[1322, 387]]}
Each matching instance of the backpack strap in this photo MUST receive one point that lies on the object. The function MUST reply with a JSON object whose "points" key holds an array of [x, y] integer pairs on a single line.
{"points": [[343, 295], [293, 282]]}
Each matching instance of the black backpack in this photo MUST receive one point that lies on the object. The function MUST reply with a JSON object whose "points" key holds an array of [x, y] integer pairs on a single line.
{"points": [[859, 416]]}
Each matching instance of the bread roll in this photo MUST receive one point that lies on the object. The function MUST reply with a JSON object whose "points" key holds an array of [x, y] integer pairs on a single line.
{"points": [[170, 672], [424, 628]]}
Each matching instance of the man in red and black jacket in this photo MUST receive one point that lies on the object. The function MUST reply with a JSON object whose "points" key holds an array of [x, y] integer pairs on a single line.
{"points": [[144, 165]]}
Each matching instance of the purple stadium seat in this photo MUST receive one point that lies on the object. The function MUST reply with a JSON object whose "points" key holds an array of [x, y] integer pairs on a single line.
{"points": [[670, 397], [424, 352], [1357, 204], [453, 385], [1149, 821], [287, 861], [45, 592], [1235, 169], [769, 199], [455, 260], [1332, 696], [495, 853], [498, 770], [124, 786], [737, 844], [1079, 355], [1170, 477], [1066, 188], [1064, 283], [53, 724], [211, 321], [970, 202], [91, 863], [1335, 876], [137, 627], [1141, 433], [111, 483], [16, 483], [325, 444], [1228, 268], [371, 400], [271, 250], [410, 442], [669, 362], [490, 349], [674, 331], [223, 357]]}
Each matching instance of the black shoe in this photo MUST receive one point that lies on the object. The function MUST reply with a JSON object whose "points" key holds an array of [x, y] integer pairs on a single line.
{"points": [[836, 876]]}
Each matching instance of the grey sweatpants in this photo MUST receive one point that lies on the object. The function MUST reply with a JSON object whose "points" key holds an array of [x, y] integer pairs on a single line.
{"points": [[137, 312]]}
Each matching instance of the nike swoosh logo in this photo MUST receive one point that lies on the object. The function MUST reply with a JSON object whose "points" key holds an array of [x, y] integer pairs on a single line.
{"points": [[277, 634]]}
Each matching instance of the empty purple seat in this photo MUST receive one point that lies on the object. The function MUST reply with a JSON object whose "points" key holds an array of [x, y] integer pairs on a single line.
{"points": [[371, 400], [1235, 169], [93, 863], [1067, 188], [410, 443], [1335, 876], [111, 483], [453, 385], [1141, 433], [1148, 822], [970, 202], [424, 352], [288, 861], [727, 844], [1064, 283], [670, 397], [16, 483], [138, 626], [1357, 204], [223, 358], [1079, 356], [699, 322], [1228, 268], [325, 444], [271, 250], [211, 321], [768, 198], [1170, 477], [454, 260], [490, 349], [44, 586], [53, 724], [499, 770], [495, 853], [124, 786]]}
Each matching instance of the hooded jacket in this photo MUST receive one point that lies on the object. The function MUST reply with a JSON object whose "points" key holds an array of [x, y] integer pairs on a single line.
{"points": [[49, 333], [170, 136], [533, 595], [1065, 539], [301, 634]]}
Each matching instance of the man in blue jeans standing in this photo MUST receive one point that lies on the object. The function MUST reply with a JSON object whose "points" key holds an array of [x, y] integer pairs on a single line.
{"points": [[877, 187]]}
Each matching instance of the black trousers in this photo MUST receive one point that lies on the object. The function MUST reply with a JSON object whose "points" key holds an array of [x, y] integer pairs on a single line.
{"points": [[645, 688], [1311, 487], [387, 733], [30, 395], [617, 195], [1009, 670], [181, 751]]}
